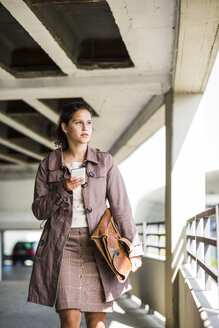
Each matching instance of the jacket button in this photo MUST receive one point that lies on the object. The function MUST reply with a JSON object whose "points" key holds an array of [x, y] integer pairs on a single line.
{"points": [[84, 185], [41, 242], [91, 174], [88, 210], [66, 205]]}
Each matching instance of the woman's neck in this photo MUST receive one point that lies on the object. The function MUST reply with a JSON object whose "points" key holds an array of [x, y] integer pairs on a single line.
{"points": [[75, 153]]}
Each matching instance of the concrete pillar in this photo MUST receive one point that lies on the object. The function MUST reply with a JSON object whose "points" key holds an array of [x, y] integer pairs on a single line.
{"points": [[1, 254], [185, 185]]}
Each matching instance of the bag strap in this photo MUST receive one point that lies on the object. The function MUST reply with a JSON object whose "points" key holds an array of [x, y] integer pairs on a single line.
{"points": [[127, 242], [123, 239]]}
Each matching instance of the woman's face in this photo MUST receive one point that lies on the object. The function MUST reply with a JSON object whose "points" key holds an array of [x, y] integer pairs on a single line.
{"points": [[79, 128]]}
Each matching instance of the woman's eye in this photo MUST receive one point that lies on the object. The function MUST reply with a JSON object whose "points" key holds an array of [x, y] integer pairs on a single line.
{"points": [[79, 122]]}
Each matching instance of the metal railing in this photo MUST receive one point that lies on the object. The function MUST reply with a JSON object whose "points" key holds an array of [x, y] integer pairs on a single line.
{"points": [[153, 236], [202, 246]]}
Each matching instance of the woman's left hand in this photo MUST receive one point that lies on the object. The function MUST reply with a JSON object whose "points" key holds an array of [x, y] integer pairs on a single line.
{"points": [[136, 263]]}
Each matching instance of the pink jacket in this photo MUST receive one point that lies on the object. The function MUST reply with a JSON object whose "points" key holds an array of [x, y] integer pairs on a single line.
{"points": [[54, 204]]}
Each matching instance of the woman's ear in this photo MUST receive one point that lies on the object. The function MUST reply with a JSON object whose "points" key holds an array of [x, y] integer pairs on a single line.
{"points": [[64, 127]]}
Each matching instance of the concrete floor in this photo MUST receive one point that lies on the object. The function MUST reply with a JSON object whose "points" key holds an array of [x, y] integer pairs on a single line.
{"points": [[16, 312]]}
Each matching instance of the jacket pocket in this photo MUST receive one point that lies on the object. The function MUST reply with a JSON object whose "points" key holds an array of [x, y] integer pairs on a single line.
{"points": [[43, 243]]}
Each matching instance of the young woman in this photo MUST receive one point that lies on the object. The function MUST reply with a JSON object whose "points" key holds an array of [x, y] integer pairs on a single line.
{"points": [[68, 271]]}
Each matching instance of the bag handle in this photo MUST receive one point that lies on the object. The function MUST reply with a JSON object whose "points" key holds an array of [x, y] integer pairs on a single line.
{"points": [[127, 242]]}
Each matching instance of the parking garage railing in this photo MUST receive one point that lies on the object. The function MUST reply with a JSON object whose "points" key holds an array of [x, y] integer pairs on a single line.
{"points": [[202, 246], [153, 236]]}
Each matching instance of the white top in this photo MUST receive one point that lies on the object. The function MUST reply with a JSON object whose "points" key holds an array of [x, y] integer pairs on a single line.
{"points": [[79, 218]]}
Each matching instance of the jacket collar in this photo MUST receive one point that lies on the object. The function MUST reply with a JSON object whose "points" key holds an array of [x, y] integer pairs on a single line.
{"points": [[56, 158]]}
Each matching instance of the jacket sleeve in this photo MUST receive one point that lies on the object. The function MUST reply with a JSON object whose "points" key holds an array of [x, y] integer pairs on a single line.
{"points": [[47, 202], [121, 208]]}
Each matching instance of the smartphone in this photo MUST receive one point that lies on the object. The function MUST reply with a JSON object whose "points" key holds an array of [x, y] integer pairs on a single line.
{"points": [[78, 173]]}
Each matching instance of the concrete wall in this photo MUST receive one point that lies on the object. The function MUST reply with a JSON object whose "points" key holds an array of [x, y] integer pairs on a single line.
{"points": [[148, 283], [15, 207], [189, 314]]}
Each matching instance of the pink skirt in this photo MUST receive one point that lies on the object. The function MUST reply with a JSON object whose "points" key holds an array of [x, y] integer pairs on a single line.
{"points": [[79, 285]]}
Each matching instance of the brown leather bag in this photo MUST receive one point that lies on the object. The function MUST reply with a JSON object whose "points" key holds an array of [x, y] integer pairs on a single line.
{"points": [[112, 246]]}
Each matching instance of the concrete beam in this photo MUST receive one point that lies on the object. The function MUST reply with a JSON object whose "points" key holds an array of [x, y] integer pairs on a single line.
{"points": [[198, 44], [43, 109], [19, 149], [12, 159], [5, 74], [155, 122], [26, 131], [64, 87], [131, 138], [147, 28], [58, 2], [23, 14]]}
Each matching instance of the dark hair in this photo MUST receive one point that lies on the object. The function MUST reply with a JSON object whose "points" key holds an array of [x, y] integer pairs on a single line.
{"points": [[66, 114]]}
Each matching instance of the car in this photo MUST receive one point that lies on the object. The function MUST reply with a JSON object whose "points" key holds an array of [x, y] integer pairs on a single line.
{"points": [[24, 250]]}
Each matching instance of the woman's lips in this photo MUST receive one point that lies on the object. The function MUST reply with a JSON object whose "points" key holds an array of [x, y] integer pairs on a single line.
{"points": [[84, 135]]}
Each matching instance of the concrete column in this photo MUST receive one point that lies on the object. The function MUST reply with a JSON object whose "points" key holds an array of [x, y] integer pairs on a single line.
{"points": [[185, 185], [1, 254]]}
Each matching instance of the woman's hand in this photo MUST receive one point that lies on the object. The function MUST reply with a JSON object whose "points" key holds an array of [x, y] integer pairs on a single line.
{"points": [[70, 183], [136, 263]]}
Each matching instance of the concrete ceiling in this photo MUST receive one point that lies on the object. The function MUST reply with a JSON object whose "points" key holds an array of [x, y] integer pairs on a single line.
{"points": [[118, 56], [56, 51]]}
